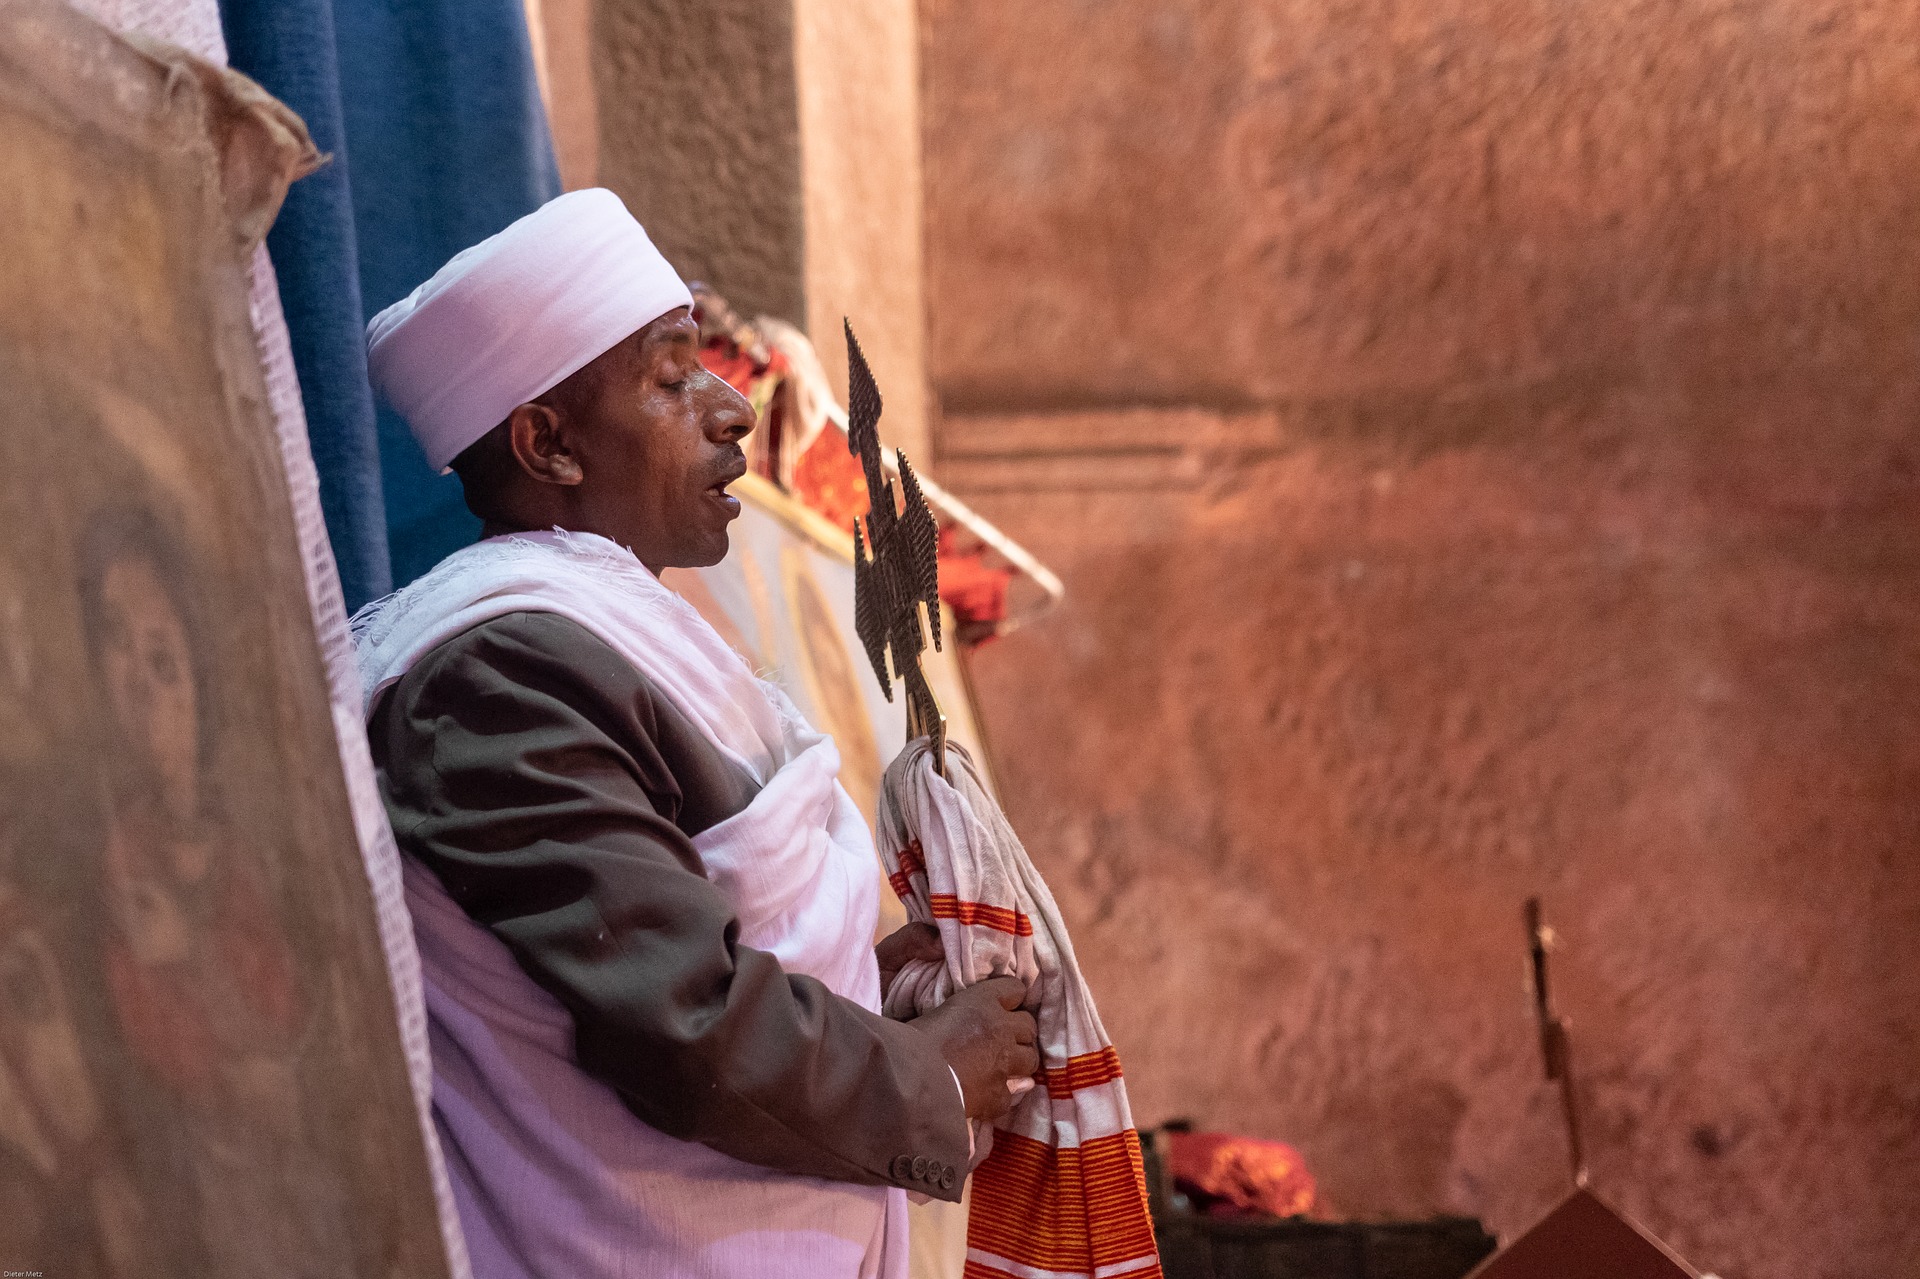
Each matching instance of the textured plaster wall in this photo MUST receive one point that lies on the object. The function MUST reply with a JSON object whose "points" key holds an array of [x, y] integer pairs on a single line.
{"points": [[1482, 444]]}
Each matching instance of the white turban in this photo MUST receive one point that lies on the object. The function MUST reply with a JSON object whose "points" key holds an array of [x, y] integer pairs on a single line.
{"points": [[513, 316]]}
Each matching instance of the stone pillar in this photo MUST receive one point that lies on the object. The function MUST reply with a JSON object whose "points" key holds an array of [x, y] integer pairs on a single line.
{"points": [[859, 86], [562, 36], [772, 149]]}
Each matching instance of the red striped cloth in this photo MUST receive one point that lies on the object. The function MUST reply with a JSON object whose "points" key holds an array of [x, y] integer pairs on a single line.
{"points": [[1058, 1189]]}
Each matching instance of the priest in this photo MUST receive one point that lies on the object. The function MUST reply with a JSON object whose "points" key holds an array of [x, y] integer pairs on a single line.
{"points": [[645, 906]]}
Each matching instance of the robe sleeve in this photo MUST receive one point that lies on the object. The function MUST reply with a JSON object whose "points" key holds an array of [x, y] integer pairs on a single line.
{"points": [[547, 785]]}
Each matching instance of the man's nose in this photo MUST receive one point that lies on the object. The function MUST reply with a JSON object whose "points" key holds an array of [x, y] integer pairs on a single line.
{"points": [[731, 418]]}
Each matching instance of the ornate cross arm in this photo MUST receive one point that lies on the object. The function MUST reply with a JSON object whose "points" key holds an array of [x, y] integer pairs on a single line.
{"points": [[896, 567]]}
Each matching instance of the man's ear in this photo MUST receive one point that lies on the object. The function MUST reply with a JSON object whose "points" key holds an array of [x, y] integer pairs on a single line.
{"points": [[538, 437]]}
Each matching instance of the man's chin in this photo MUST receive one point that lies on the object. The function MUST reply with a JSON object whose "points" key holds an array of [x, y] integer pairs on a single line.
{"points": [[710, 552]]}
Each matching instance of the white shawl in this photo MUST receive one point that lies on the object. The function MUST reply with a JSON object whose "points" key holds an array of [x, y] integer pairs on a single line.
{"points": [[553, 1176]]}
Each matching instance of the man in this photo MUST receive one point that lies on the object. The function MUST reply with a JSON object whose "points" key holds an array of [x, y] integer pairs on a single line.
{"points": [[644, 905]]}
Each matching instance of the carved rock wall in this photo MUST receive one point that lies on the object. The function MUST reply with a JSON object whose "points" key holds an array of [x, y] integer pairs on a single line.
{"points": [[1482, 444]]}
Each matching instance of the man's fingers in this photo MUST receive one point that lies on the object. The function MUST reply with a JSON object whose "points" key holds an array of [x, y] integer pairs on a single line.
{"points": [[910, 942], [1024, 1061], [1024, 1028], [1010, 991]]}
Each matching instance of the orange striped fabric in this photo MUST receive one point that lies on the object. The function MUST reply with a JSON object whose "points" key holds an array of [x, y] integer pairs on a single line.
{"points": [[998, 918], [1085, 1071], [1077, 1210], [911, 864]]}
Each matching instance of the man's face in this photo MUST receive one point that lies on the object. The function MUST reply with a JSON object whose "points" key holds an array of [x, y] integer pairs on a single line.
{"points": [[658, 441]]}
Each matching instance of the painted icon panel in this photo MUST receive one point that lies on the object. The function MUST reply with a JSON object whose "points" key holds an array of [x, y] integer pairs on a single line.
{"points": [[200, 1067]]}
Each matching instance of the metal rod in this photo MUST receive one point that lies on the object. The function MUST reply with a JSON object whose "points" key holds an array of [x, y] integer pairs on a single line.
{"points": [[1556, 1042]]}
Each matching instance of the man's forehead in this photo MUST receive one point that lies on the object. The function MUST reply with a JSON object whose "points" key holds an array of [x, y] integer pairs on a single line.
{"points": [[668, 336], [675, 328]]}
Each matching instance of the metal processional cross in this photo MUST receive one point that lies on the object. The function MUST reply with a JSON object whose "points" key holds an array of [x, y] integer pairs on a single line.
{"points": [[896, 567]]}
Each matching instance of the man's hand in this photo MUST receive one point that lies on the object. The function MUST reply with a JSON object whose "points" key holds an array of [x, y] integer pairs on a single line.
{"points": [[902, 946], [987, 1041]]}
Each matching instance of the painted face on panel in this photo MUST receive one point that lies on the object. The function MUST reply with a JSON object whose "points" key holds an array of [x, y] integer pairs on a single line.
{"points": [[148, 671]]}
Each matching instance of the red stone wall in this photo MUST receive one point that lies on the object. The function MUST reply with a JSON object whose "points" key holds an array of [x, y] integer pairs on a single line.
{"points": [[1482, 444]]}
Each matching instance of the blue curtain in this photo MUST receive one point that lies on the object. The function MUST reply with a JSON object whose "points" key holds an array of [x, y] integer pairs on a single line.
{"points": [[287, 45], [433, 115], [450, 144]]}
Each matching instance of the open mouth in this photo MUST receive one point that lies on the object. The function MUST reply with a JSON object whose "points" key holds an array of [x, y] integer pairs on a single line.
{"points": [[717, 492]]}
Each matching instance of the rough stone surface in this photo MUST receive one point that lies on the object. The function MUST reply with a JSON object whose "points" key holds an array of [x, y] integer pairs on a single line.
{"points": [[1482, 444], [700, 135]]}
